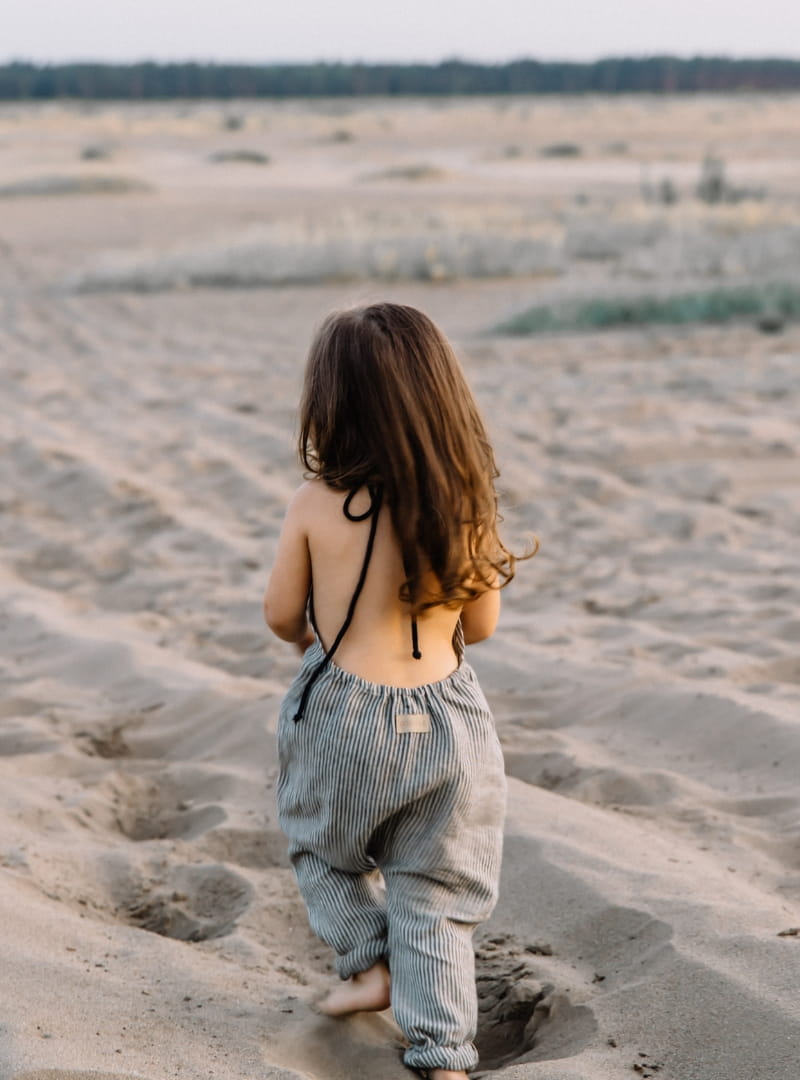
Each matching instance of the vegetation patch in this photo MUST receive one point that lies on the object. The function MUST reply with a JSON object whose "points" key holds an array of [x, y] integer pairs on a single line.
{"points": [[292, 256], [408, 172], [73, 185], [24, 81], [97, 152], [561, 149], [241, 157], [769, 305]]}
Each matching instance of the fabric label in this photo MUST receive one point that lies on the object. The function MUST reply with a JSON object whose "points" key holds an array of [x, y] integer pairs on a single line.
{"points": [[405, 723]]}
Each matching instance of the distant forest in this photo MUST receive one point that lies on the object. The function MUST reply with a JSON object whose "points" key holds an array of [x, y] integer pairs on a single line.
{"points": [[22, 81]]}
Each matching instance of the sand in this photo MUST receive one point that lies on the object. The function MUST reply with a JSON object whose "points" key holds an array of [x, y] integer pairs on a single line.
{"points": [[645, 676]]}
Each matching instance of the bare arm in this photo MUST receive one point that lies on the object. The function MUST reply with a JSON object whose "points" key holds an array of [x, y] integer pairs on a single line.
{"points": [[289, 582], [479, 616]]}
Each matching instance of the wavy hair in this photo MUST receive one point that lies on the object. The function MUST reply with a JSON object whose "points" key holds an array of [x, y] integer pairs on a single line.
{"points": [[385, 402]]}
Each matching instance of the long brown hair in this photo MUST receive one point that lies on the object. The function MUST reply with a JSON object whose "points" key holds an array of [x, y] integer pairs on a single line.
{"points": [[385, 402]]}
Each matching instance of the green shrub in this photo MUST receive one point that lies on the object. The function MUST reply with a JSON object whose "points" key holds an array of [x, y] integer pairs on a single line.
{"points": [[767, 304], [561, 149], [245, 157], [97, 152], [56, 185]]}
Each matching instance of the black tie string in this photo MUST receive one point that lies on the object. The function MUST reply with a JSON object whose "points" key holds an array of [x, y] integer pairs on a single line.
{"points": [[373, 510]]}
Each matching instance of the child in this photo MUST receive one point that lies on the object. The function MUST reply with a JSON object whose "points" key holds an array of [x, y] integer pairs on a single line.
{"points": [[388, 753]]}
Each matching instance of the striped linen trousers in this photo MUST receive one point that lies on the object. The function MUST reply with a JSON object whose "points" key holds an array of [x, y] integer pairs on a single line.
{"points": [[408, 782]]}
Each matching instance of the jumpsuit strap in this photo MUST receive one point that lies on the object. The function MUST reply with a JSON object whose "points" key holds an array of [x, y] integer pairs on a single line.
{"points": [[415, 639], [376, 498], [373, 509], [311, 615]]}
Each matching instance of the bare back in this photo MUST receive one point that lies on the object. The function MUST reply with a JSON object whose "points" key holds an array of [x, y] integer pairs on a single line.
{"points": [[377, 645]]}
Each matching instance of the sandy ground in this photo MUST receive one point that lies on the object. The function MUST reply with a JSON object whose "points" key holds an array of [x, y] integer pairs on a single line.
{"points": [[645, 677]]}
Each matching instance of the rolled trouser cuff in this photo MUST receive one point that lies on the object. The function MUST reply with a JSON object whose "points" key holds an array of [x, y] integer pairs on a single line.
{"points": [[441, 1057], [364, 956]]}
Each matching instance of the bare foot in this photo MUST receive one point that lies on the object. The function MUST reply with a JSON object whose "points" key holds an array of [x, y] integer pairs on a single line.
{"points": [[447, 1074], [368, 991]]}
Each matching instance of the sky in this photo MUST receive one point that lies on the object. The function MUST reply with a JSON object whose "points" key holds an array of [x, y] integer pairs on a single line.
{"points": [[400, 30]]}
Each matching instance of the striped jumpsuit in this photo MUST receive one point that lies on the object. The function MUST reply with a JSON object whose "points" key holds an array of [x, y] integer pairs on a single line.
{"points": [[408, 782]]}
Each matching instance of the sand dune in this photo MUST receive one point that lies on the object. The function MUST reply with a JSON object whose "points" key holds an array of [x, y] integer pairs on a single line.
{"points": [[645, 677]]}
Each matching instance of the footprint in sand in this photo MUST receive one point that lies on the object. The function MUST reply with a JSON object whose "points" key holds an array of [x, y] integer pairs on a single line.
{"points": [[190, 903], [261, 848], [148, 802], [154, 807], [106, 742], [522, 1016], [160, 807], [53, 566], [564, 772]]}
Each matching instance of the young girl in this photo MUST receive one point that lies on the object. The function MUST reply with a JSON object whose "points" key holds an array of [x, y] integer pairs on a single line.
{"points": [[388, 752]]}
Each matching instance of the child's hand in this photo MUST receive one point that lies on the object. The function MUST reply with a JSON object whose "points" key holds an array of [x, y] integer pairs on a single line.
{"points": [[305, 641]]}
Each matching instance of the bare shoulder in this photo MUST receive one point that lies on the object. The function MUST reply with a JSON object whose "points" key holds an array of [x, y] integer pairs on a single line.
{"points": [[311, 497], [314, 504]]}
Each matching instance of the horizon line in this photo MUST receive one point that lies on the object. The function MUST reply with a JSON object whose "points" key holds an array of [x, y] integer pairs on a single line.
{"points": [[445, 59]]}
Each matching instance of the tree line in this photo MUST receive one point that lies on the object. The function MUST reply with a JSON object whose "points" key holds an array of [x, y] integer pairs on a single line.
{"points": [[23, 81]]}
